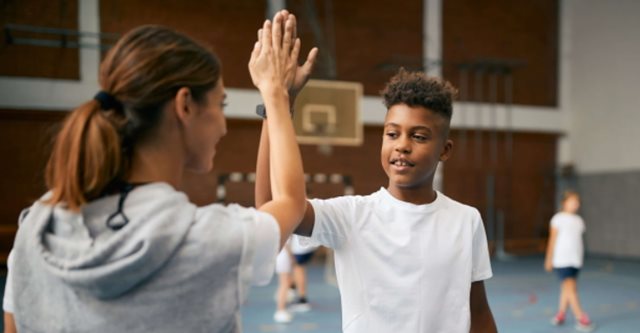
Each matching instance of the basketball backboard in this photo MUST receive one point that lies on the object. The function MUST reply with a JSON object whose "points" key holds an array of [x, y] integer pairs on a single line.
{"points": [[329, 113]]}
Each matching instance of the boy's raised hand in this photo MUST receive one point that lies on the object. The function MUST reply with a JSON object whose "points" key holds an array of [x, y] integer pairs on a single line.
{"points": [[303, 72]]}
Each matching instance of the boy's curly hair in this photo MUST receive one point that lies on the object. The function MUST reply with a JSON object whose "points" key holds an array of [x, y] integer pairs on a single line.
{"points": [[417, 89]]}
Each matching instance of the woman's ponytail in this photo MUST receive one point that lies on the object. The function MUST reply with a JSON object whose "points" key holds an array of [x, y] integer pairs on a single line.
{"points": [[86, 157]]}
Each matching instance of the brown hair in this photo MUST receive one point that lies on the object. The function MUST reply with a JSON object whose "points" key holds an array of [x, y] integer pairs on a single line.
{"points": [[143, 72], [568, 194]]}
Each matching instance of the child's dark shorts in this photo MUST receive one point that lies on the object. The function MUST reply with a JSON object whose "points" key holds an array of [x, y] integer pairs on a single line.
{"points": [[302, 259], [566, 272]]}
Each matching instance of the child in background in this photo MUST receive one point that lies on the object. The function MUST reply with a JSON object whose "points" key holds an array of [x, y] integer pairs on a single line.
{"points": [[565, 253], [302, 254], [292, 280], [283, 270]]}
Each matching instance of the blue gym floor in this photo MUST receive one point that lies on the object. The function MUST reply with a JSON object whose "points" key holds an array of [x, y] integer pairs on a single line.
{"points": [[522, 296]]}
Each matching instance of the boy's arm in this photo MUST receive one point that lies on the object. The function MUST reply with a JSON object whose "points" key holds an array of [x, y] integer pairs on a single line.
{"points": [[263, 184], [263, 179], [481, 316], [305, 228], [551, 244]]}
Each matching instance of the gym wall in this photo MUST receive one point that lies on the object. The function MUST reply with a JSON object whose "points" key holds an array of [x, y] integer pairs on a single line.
{"points": [[372, 39], [605, 77]]}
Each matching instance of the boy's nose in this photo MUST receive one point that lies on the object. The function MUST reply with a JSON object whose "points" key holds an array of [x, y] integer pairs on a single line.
{"points": [[403, 146]]}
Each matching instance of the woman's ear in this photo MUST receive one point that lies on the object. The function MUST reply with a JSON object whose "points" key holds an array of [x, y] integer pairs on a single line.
{"points": [[184, 106]]}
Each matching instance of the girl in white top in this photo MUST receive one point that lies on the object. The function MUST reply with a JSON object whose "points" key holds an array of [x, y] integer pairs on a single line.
{"points": [[284, 265], [565, 253], [114, 246], [291, 271]]}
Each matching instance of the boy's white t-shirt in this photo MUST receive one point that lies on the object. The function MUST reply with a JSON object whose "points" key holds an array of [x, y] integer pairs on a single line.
{"points": [[403, 267], [568, 250]]}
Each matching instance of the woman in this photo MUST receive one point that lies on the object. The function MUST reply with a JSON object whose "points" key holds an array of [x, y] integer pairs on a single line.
{"points": [[114, 246]]}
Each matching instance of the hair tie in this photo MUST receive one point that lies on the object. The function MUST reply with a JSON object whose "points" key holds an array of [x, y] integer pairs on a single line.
{"points": [[108, 102]]}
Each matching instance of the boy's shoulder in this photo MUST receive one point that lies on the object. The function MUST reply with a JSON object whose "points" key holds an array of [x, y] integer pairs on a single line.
{"points": [[382, 200], [349, 198], [452, 205]]}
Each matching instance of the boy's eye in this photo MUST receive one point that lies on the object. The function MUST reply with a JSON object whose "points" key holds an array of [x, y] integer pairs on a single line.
{"points": [[223, 105], [392, 134], [420, 137]]}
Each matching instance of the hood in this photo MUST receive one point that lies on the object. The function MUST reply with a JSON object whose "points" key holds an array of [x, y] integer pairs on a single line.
{"points": [[81, 250]]}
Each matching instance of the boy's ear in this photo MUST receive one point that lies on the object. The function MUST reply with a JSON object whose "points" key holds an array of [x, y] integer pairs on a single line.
{"points": [[446, 150], [184, 106]]}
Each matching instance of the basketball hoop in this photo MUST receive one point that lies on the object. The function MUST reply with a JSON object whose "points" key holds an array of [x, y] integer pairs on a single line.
{"points": [[328, 115], [324, 131]]}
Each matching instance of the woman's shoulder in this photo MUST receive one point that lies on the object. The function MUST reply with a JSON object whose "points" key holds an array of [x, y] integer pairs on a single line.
{"points": [[346, 203], [230, 217], [224, 212], [233, 224]]}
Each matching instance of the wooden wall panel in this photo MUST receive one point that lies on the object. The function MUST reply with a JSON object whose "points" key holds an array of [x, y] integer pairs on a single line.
{"points": [[228, 27], [371, 38], [25, 137], [370, 44], [525, 31], [37, 61], [524, 187]]}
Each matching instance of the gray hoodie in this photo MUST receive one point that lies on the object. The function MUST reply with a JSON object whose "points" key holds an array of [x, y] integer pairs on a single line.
{"points": [[172, 268]]}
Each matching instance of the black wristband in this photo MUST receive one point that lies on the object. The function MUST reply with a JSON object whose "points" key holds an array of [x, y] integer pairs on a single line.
{"points": [[262, 111]]}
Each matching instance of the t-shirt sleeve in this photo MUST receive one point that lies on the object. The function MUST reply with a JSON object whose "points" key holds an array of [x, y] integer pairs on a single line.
{"points": [[253, 239], [7, 301], [332, 221], [481, 269], [554, 222], [261, 246]]}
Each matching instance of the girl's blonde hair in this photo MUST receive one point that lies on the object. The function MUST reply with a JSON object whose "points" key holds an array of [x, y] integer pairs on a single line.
{"points": [[568, 194]]}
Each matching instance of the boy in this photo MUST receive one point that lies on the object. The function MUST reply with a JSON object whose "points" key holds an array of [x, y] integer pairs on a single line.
{"points": [[408, 258]]}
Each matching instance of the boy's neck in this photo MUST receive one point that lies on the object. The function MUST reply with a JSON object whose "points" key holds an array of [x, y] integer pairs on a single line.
{"points": [[416, 196]]}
